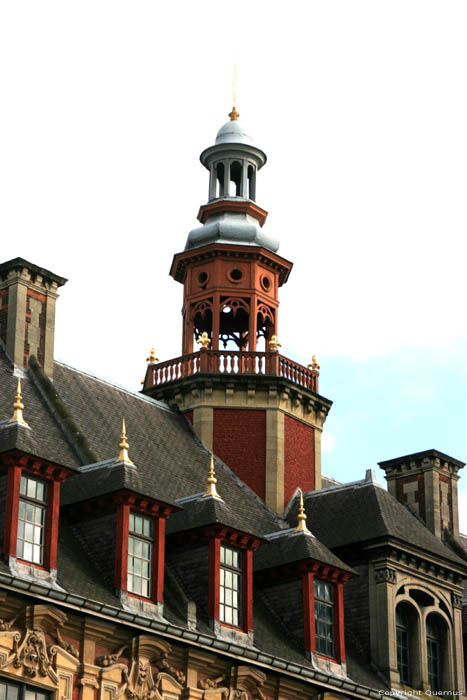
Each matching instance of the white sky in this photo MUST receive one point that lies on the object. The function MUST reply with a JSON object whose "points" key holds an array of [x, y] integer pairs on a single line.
{"points": [[361, 108]]}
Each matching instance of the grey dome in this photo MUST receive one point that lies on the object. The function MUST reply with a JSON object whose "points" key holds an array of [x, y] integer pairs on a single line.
{"points": [[230, 227], [233, 132]]}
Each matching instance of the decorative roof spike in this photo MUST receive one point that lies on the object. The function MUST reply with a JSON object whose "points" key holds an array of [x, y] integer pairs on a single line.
{"points": [[124, 447], [204, 341], [301, 527], [234, 115], [18, 407], [152, 359], [274, 344], [212, 481]]}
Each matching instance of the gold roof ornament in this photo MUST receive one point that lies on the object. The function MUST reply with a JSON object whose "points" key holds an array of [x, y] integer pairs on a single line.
{"points": [[274, 344], [123, 455], [18, 407], [204, 341], [152, 359], [212, 481], [234, 115], [301, 527], [314, 364]]}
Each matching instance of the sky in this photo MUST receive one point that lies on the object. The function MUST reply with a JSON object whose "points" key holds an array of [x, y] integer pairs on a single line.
{"points": [[361, 108]]}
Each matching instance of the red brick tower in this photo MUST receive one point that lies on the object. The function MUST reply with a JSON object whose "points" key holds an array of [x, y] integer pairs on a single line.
{"points": [[257, 410]]}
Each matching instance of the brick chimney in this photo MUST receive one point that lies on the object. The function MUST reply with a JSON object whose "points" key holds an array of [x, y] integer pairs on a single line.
{"points": [[427, 482], [27, 312]]}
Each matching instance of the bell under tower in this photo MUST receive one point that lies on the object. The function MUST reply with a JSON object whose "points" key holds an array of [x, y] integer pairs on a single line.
{"points": [[259, 411]]}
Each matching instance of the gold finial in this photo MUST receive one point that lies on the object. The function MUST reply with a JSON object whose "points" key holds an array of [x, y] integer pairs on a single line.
{"points": [[301, 527], [274, 344], [18, 407], [212, 481], [152, 359], [314, 364], [234, 115], [124, 447], [204, 341]]}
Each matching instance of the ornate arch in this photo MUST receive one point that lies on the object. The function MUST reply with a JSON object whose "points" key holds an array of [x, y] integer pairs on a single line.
{"points": [[201, 308], [236, 303]]}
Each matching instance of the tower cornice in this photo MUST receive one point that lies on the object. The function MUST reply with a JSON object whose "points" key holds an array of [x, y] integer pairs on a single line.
{"points": [[181, 261]]}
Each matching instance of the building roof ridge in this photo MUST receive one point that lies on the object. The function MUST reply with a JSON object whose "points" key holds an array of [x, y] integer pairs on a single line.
{"points": [[341, 487], [114, 385]]}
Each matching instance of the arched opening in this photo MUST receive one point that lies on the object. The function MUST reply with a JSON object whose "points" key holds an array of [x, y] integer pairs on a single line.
{"points": [[437, 652], [233, 324], [251, 183], [202, 322], [220, 172], [407, 646], [235, 187]]}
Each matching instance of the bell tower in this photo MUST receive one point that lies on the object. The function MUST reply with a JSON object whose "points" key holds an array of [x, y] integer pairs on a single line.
{"points": [[259, 411]]}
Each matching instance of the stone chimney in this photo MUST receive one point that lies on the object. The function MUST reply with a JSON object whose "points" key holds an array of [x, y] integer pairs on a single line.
{"points": [[27, 312], [427, 482]]}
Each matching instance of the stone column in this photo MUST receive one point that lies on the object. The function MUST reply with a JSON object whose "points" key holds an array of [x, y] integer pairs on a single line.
{"points": [[274, 472], [382, 620], [432, 512]]}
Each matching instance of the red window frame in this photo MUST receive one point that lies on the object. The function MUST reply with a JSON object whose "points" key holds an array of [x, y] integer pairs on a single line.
{"points": [[53, 476], [337, 580], [247, 545], [158, 551]]}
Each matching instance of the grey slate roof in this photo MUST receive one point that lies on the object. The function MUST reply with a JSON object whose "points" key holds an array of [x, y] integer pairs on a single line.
{"points": [[203, 511], [363, 512], [293, 547]]}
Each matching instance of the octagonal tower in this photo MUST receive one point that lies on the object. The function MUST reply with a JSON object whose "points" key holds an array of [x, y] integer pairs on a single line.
{"points": [[257, 410]]}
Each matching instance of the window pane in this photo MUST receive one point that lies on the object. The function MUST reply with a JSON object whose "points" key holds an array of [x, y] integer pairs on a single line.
{"points": [[23, 487]]}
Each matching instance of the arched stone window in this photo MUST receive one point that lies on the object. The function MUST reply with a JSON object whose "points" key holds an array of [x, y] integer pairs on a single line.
{"points": [[434, 651], [407, 644], [403, 644]]}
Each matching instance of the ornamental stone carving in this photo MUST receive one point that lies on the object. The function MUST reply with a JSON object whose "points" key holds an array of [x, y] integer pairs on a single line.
{"points": [[32, 656], [385, 576], [457, 601], [141, 685]]}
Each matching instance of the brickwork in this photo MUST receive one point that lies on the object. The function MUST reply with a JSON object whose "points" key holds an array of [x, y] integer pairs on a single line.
{"points": [[299, 457], [240, 441], [411, 491], [98, 537], [34, 334], [286, 599], [192, 565], [3, 313], [445, 502]]}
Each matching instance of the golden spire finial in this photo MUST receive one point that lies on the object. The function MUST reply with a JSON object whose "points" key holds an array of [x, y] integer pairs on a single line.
{"points": [[212, 481], [314, 364], [234, 115], [124, 447], [301, 527], [152, 359], [18, 407], [204, 341]]}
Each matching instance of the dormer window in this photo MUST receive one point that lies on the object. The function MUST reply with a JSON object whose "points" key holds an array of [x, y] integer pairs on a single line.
{"points": [[140, 547], [324, 617], [230, 599], [32, 512]]}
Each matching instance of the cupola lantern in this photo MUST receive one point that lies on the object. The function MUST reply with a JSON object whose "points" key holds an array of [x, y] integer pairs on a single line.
{"points": [[237, 388]]}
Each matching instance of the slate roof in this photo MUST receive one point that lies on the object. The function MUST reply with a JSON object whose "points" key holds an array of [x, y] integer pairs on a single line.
{"points": [[77, 421], [203, 511], [292, 547], [363, 512]]}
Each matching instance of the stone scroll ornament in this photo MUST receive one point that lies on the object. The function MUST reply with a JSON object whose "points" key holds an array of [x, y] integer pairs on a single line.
{"points": [[32, 655]]}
